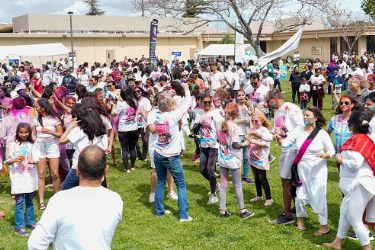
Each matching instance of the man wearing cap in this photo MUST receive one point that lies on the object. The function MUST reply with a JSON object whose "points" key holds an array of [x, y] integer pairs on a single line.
{"points": [[216, 79]]}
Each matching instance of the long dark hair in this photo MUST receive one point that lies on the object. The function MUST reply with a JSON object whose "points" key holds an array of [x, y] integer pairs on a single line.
{"points": [[178, 88], [47, 107], [359, 122], [320, 120], [81, 91], [19, 127], [128, 96], [143, 92], [93, 105], [91, 125]]}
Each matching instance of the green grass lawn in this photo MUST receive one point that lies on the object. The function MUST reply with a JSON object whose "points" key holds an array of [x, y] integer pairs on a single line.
{"points": [[140, 229]]}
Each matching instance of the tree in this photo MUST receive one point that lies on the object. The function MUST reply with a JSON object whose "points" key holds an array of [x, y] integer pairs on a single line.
{"points": [[347, 25], [247, 12], [94, 9], [227, 39], [368, 6]]}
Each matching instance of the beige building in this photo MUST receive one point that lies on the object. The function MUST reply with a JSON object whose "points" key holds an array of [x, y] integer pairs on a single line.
{"points": [[104, 38]]}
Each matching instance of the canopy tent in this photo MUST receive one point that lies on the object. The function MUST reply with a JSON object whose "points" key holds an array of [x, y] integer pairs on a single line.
{"points": [[223, 50], [49, 49]]}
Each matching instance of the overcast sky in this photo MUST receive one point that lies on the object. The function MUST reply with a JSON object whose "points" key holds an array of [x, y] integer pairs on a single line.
{"points": [[14, 8]]}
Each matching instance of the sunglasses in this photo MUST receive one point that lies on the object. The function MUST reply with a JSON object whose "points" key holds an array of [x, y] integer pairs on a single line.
{"points": [[207, 102], [254, 121], [346, 103]]}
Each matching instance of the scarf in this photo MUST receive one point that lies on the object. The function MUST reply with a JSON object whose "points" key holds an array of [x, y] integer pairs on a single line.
{"points": [[364, 145]]}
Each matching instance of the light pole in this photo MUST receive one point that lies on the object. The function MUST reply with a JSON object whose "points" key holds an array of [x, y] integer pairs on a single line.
{"points": [[70, 13]]}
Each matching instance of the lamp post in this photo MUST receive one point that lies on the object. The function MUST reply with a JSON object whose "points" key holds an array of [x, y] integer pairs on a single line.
{"points": [[70, 13]]}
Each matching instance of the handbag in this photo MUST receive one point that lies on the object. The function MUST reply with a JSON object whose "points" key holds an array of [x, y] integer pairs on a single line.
{"points": [[296, 181]]}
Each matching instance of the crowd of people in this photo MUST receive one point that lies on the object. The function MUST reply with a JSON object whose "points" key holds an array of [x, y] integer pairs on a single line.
{"points": [[68, 120]]}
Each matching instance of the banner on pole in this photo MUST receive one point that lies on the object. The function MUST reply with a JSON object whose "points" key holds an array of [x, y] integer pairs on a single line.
{"points": [[239, 51], [153, 39]]}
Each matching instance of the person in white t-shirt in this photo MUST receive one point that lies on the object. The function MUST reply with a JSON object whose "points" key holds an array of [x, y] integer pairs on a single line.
{"points": [[128, 126], [90, 130], [216, 80], [317, 82], [257, 93], [167, 152], [71, 220]]}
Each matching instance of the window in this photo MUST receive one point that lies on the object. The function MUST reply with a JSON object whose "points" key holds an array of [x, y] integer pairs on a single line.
{"points": [[370, 45], [263, 46], [333, 45], [344, 46]]}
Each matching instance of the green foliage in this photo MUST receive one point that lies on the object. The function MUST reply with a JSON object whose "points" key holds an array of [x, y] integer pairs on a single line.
{"points": [[191, 9], [227, 39], [94, 9], [368, 6], [140, 229]]}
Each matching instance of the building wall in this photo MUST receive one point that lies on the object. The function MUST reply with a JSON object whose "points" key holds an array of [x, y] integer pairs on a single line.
{"points": [[95, 49]]}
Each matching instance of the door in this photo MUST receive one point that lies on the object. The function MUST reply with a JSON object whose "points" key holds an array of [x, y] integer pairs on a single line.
{"points": [[110, 56]]}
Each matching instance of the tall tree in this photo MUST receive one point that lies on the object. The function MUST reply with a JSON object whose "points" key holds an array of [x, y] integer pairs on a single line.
{"points": [[94, 9], [349, 26], [253, 15], [368, 6]]}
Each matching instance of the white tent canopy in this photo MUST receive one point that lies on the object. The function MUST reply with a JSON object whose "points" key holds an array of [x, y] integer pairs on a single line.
{"points": [[50, 49], [223, 50], [228, 50]]}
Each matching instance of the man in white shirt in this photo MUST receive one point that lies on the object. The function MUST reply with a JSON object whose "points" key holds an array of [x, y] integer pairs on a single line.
{"points": [[97, 69], [216, 79], [71, 219], [95, 83], [257, 93]]}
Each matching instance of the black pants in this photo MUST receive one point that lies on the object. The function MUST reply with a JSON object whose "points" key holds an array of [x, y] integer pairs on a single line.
{"points": [[128, 140], [208, 165], [303, 104], [69, 153], [317, 96], [295, 90], [197, 146], [144, 134], [261, 180]]}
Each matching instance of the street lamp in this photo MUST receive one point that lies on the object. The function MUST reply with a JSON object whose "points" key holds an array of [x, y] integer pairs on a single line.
{"points": [[70, 13]]}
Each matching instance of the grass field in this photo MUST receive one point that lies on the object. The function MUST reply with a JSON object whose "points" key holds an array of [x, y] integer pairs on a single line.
{"points": [[140, 229]]}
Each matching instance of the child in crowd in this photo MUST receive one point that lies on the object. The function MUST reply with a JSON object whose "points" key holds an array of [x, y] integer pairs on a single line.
{"points": [[258, 157], [304, 90], [230, 158], [21, 158]]}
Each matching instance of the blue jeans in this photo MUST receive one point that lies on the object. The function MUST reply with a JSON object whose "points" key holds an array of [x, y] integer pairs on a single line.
{"points": [[19, 217], [173, 164], [71, 180], [277, 83], [245, 156]]}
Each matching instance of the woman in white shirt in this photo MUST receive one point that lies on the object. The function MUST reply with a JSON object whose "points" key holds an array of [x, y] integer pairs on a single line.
{"points": [[167, 152], [47, 130], [356, 182], [312, 168], [128, 126]]}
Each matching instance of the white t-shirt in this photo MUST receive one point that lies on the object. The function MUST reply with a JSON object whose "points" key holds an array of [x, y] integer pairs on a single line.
{"points": [[81, 141], [47, 78], [144, 104], [258, 156], [50, 123], [91, 88], [259, 96], [96, 71], [371, 132], [150, 121], [127, 117], [215, 81], [317, 81], [72, 221], [228, 156], [267, 82], [208, 131]]}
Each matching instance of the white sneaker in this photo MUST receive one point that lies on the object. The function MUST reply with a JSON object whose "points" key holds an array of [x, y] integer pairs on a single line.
{"points": [[172, 195], [216, 189], [187, 219], [213, 199], [151, 198]]}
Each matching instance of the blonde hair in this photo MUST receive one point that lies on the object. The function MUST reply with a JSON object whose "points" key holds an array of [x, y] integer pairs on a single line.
{"points": [[362, 82], [165, 102], [264, 120]]}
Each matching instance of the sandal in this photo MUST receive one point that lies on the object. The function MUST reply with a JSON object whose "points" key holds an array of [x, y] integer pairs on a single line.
{"points": [[302, 228], [42, 206]]}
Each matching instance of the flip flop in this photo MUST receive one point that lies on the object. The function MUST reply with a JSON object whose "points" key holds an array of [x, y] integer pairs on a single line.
{"points": [[301, 228], [42, 206]]}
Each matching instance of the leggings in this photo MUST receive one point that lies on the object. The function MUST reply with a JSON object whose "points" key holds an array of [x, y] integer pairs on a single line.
{"points": [[197, 146], [295, 92], [236, 177], [128, 140], [260, 177], [145, 135], [208, 165]]}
